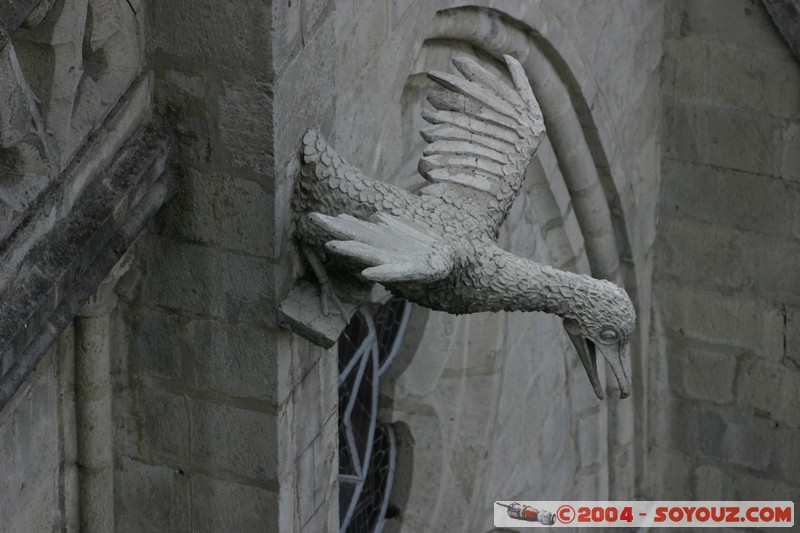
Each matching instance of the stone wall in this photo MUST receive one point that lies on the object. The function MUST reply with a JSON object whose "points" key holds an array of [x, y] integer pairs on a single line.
{"points": [[220, 420], [228, 423], [728, 252], [38, 470], [81, 166]]}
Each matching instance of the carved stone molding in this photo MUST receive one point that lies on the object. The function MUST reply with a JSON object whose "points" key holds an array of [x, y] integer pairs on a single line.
{"points": [[69, 205], [104, 300], [61, 74], [55, 260]]}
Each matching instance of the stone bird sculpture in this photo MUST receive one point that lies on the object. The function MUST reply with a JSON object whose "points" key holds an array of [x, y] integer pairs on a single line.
{"points": [[438, 248]]}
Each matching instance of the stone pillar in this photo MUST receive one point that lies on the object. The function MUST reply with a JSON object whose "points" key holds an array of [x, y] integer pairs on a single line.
{"points": [[227, 427], [93, 405]]}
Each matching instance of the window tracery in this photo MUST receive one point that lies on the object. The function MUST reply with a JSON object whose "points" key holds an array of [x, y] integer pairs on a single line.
{"points": [[367, 449]]}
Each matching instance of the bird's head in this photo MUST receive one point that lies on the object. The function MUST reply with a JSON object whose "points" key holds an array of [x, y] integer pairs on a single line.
{"points": [[603, 321]]}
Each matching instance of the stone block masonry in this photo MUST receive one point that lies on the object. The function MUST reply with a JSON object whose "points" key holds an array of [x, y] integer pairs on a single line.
{"points": [[228, 418], [38, 485], [727, 255]]}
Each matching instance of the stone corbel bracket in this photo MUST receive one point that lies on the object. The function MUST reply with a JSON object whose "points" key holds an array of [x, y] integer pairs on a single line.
{"points": [[58, 257], [302, 313], [301, 309]]}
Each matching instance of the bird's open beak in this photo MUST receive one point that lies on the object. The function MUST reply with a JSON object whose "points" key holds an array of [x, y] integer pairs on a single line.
{"points": [[611, 352]]}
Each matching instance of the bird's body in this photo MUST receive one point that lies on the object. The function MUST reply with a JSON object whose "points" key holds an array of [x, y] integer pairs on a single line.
{"points": [[328, 185], [438, 248]]}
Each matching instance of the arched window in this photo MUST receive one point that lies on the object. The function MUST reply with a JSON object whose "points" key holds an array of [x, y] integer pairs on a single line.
{"points": [[367, 451]]}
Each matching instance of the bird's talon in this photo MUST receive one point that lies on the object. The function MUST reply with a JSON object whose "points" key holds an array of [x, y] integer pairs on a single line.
{"points": [[323, 302], [342, 309], [327, 295]]}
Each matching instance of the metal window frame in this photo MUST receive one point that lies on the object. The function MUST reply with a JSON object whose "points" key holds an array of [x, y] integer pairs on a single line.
{"points": [[369, 348]]}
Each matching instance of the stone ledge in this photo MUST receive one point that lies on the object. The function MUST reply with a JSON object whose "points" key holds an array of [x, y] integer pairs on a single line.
{"points": [[301, 311], [65, 268]]}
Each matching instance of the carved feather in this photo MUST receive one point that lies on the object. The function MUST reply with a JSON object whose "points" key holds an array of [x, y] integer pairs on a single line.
{"points": [[485, 134], [446, 132], [393, 250]]}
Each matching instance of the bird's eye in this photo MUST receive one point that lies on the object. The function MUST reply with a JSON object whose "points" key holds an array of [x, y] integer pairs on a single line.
{"points": [[608, 335]]}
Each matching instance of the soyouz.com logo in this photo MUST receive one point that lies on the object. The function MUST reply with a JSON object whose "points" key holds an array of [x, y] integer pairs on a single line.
{"points": [[643, 514]]}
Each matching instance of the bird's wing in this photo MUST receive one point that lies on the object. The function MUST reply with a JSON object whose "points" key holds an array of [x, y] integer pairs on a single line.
{"points": [[392, 249], [484, 135]]}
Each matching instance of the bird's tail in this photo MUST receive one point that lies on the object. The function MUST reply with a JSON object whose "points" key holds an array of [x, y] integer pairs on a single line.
{"points": [[313, 145], [329, 185], [316, 150], [323, 166]]}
